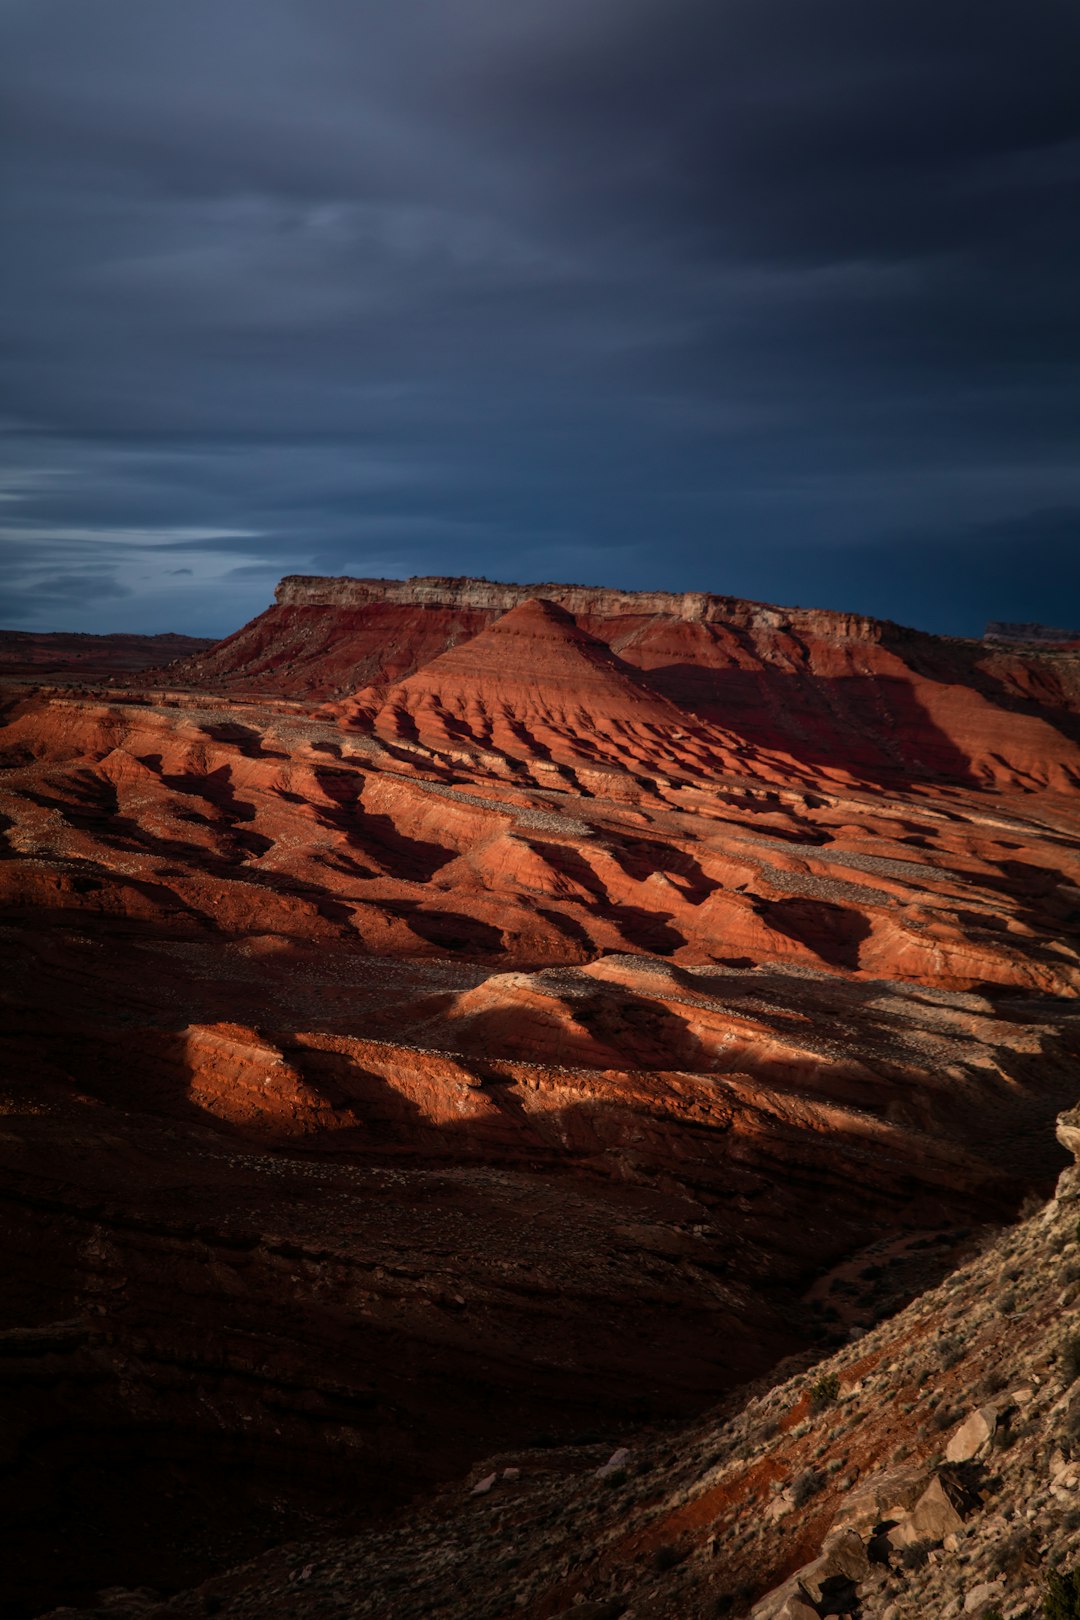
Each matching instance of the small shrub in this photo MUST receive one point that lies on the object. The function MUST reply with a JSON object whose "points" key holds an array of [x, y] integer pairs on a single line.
{"points": [[950, 1350], [1013, 1552], [915, 1557], [1061, 1598], [994, 1381], [667, 1557], [806, 1485], [1069, 1433], [946, 1416], [824, 1392], [1070, 1360]]}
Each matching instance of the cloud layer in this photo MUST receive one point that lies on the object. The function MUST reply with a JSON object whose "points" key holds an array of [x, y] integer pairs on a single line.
{"points": [[766, 296]]}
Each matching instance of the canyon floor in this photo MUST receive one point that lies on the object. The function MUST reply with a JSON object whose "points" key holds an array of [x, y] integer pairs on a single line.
{"points": [[442, 1024]]}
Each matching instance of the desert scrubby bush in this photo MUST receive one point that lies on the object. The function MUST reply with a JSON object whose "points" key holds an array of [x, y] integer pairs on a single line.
{"points": [[1069, 1433], [950, 1350], [824, 1391], [1013, 1552], [1070, 1360], [993, 1381], [1061, 1599], [806, 1485]]}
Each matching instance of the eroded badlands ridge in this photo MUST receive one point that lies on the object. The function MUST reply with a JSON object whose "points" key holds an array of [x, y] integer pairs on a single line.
{"points": [[836, 692], [509, 1048]]}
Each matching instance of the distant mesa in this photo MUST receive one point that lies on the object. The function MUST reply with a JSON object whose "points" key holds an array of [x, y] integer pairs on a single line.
{"points": [[34, 654], [998, 631]]}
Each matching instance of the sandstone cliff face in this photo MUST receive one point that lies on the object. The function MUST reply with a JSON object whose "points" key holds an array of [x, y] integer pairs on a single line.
{"points": [[589, 601]]}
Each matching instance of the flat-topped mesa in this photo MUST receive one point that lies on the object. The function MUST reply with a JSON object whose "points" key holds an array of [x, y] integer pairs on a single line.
{"points": [[590, 601], [831, 691], [1029, 635]]}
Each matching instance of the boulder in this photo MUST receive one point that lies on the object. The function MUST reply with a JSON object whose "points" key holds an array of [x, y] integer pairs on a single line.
{"points": [[843, 1555], [830, 1579], [1068, 1132], [974, 1435], [890, 1493], [797, 1608], [785, 1602], [781, 1504], [1068, 1186], [615, 1463], [982, 1596], [939, 1512]]}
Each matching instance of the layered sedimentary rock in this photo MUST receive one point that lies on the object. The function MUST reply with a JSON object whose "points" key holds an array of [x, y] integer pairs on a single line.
{"points": [[512, 1047], [835, 691], [999, 631]]}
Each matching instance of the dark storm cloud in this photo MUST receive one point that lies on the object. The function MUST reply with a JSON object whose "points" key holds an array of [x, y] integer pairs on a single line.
{"points": [[775, 296]]}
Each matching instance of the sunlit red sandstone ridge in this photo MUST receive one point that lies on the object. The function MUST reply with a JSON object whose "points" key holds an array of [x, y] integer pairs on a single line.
{"points": [[448, 1015]]}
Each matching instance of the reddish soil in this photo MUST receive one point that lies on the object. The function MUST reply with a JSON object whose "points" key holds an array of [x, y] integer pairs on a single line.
{"points": [[507, 1048]]}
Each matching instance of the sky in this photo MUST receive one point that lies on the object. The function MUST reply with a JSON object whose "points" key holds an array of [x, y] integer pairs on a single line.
{"points": [[775, 298]]}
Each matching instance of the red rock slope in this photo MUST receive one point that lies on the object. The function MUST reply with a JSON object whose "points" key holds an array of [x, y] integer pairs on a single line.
{"points": [[536, 687], [833, 690], [505, 1052]]}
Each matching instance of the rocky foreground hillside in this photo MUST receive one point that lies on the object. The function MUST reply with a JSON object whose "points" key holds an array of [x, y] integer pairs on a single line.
{"points": [[931, 1468]]}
